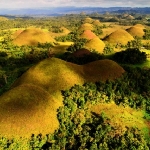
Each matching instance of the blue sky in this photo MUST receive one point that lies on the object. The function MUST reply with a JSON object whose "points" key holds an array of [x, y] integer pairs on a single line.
{"points": [[56, 3]]}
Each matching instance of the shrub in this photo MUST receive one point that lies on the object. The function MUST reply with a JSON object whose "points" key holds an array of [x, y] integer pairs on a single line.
{"points": [[130, 56]]}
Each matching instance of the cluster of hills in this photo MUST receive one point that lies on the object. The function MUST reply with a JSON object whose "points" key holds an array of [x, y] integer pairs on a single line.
{"points": [[100, 103]]}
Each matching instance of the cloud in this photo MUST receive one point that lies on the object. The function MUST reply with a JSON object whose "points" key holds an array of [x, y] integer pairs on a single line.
{"points": [[56, 3]]}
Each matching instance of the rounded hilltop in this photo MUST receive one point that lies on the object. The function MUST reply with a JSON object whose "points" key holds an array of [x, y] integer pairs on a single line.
{"points": [[135, 31], [27, 109], [95, 44], [96, 23], [64, 30], [119, 36], [31, 104], [87, 20], [86, 26], [88, 34], [33, 36]]}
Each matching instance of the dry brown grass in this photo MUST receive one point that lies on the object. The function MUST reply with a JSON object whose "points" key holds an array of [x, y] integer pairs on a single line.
{"points": [[28, 109], [97, 23], [32, 36], [140, 26], [87, 20], [145, 42], [16, 33], [3, 18], [86, 26], [136, 31], [88, 34], [102, 70], [119, 37], [95, 44], [65, 30], [30, 106]]}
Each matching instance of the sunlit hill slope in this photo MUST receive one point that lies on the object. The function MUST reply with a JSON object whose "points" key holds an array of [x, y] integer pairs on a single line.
{"points": [[31, 105]]}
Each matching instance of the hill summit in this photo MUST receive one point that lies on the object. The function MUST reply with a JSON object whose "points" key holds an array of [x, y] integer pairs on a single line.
{"points": [[32, 36]]}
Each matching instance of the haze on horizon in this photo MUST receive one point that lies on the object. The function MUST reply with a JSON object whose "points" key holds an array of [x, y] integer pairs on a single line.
{"points": [[77, 3]]}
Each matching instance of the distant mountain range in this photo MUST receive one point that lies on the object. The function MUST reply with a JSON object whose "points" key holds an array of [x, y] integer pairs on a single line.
{"points": [[55, 11]]}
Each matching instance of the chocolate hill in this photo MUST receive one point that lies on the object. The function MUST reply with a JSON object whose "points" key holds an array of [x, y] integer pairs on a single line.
{"points": [[33, 36], [31, 105], [95, 44], [119, 36], [136, 31]]}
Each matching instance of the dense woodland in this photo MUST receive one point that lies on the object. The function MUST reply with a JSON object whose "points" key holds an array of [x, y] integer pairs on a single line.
{"points": [[80, 127]]}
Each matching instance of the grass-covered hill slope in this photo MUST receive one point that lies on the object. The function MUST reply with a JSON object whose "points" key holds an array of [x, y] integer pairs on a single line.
{"points": [[16, 33], [27, 109], [136, 31], [3, 18], [95, 44], [88, 34], [32, 36], [31, 105], [97, 23], [87, 20], [139, 26], [119, 36], [86, 26]]}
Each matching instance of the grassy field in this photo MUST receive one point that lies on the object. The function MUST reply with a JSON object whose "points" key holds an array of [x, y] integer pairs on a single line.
{"points": [[122, 117]]}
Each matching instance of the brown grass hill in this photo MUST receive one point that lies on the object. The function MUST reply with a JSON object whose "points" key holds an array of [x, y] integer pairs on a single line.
{"points": [[3, 18], [53, 75], [65, 30], [15, 34], [32, 36], [135, 31], [81, 53], [96, 23], [86, 26], [87, 20], [130, 17], [27, 109], [88, 34], [102, 70], [119, 36], [95, 44], [30, 106], [139, 26]]}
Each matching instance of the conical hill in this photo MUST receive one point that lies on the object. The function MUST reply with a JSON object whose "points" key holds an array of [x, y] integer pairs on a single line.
{"points": [[135, 31], [119, 36], [33, 36], [30, 107], [95, 44]]}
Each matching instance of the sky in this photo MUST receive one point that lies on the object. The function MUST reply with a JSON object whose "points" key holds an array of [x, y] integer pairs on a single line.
{"points": [[78, 3]]}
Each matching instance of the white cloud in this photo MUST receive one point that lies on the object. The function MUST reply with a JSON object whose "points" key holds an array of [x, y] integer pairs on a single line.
{"points": [[51, 3]]}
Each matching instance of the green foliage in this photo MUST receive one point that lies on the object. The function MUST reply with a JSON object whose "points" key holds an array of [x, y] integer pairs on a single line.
{"points": [[130, 56], [72, 36], [3, 54], [77, 45], [146, 34], [81, 129], [93, 56], [108, 49], [137, 43], [98, 30]]}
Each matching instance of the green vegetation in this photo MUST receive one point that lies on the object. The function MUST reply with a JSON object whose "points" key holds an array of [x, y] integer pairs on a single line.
{"points": [[130, 56], [72, 96]]}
